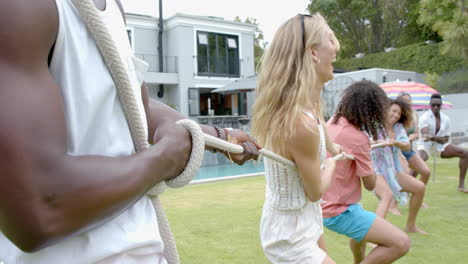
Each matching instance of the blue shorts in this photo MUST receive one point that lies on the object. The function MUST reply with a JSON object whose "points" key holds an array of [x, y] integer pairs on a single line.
{"points": [[355, 222], [408, 154]]}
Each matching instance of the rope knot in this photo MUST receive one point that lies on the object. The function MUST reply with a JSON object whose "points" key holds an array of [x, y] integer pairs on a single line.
{"points": [[194, 162]]}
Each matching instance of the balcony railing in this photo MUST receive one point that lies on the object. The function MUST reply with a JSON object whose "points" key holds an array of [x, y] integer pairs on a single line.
{"points": [[240, 122], [169, 62]]}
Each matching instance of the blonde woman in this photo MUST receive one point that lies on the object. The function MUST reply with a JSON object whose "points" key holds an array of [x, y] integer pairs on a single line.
{"points": [[287, 119]]}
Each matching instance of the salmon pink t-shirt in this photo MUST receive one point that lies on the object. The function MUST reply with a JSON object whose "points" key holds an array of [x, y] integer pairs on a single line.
{"points": [[345, 188]]}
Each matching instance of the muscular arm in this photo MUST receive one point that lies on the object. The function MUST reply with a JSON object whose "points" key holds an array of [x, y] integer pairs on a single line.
{"points": [[440, 140], [47, 195], [304, 148]]}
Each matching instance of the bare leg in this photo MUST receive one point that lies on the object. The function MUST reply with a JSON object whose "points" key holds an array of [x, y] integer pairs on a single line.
{"points": [[423, 155], [417, 188], [321, 243], [394, 208], [404, 163], [383, 192], [392, 242], [418, 165], [452, 151], [358, 249]]}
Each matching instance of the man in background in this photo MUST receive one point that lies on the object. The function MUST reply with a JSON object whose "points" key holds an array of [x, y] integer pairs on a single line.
{"points": [[435, 131]]}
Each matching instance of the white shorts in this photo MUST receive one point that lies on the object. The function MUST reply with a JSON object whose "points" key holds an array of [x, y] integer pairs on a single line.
{"points": [[291, 236], [429, 148]]}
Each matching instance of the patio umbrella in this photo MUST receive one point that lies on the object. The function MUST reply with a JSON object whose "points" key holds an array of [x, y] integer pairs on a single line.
{"points": [[420, 93], [242, 85]]}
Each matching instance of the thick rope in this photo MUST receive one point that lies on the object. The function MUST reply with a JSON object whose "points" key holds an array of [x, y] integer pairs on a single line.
{"points": [[112, 58], [118, 70], [378, 145]]}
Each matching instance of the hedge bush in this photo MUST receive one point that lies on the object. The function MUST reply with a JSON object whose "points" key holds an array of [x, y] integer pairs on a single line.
{"points": [[419, 57], [454, 82]]}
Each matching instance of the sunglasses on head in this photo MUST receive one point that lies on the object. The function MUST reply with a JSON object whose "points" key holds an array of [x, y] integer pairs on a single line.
{"points": [[404, 93], [301, 16]]}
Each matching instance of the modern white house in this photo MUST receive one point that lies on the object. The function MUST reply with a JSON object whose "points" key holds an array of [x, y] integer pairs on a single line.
{"points": [[199, 55]]}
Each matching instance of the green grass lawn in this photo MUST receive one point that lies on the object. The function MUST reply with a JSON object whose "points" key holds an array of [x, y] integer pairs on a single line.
{"points": [[219, 222]]}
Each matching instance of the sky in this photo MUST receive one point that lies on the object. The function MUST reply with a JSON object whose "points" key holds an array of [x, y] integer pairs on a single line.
{"points": [[269, 16]]}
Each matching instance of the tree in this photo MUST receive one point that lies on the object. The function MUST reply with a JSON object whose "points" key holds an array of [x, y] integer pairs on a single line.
{"points": [[415, 32], [432, 80], [449, 19], [259, 42], [369, 26]]}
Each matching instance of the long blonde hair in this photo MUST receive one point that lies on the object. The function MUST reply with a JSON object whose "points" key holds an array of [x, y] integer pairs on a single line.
{"points": [[285, 84]]}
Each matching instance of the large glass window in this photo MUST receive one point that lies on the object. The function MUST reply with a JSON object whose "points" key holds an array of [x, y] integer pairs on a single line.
{"points": [[218, 54]]}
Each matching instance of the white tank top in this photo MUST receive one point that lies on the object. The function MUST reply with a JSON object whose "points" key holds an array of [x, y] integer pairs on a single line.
{"points": [[284, 188], [96, 125], [95, 120]]}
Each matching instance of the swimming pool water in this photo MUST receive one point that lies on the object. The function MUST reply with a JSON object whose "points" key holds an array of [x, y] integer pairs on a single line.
{"points": [[224, 170]]}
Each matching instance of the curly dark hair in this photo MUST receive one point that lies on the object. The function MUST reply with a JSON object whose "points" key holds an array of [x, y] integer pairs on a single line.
{"points": [[406, 118], [365, 105]]}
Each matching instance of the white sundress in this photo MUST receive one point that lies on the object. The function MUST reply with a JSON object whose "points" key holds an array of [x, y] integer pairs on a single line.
{"points": [[291, 224]]}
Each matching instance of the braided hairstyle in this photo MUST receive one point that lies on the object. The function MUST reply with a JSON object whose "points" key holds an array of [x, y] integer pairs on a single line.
{"points": [[365, 105]]}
